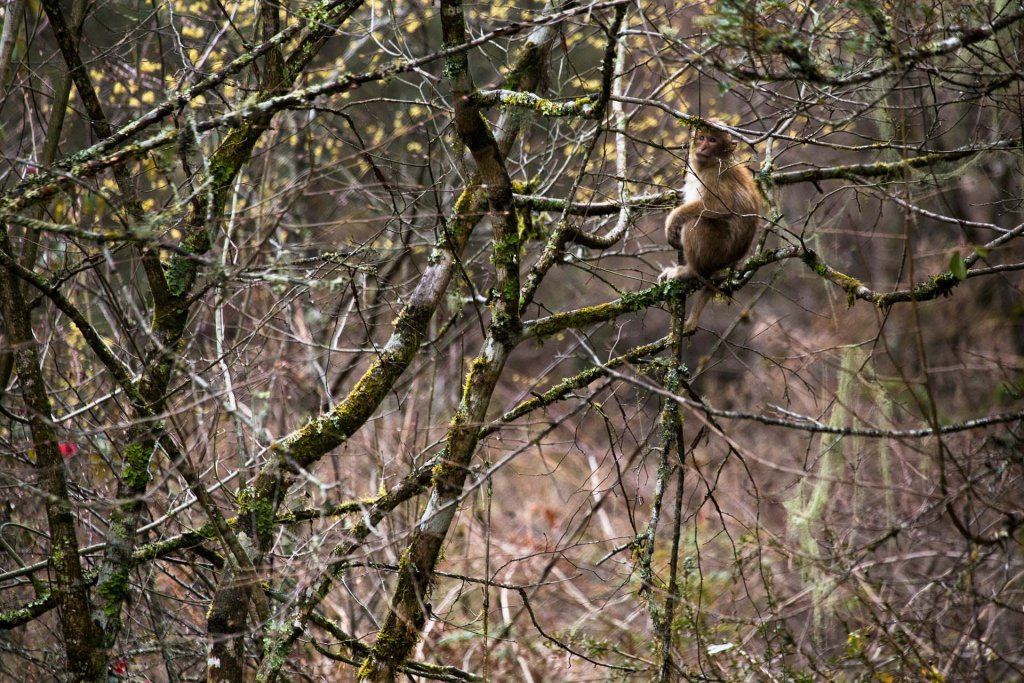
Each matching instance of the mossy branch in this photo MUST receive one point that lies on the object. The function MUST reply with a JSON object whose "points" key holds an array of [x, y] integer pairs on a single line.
{"points": [[96, 159], [961, 37], [581, 107], [891, 169], [434, 672]]}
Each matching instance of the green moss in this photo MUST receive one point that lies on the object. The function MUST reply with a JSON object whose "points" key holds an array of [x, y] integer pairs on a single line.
{"points": [[397, 636], [582, 106], [112, 590], [367, 670], [521, 99], [250, 502], [500, 323], [118, 527], [526, 186], [673, 379], [147, 550], [510, 291], [308, 443], [845, 281], [22, 614], [318, 13], [476, 366], [15, 616], [464, 202], [529, 61], [669, 424], [451, 70], [630, 302], [849, 284], [506, 249], [179, 275], [944, 283], [41, 601], [135, 471], [528, 230]]}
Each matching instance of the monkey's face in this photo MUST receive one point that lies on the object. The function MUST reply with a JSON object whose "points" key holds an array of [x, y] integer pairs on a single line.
{"points": [[708, 147]]}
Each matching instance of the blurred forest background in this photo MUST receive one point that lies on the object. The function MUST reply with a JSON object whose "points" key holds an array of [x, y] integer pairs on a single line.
{"points": [[332, 346]]}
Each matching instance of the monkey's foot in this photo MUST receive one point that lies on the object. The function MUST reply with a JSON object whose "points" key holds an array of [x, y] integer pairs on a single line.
{"points": [[673, 273]]}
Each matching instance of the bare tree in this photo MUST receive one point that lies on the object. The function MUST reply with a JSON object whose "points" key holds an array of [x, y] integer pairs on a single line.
{"points": [[332, 346]]}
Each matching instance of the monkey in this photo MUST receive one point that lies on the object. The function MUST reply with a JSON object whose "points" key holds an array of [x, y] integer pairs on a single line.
{"points": [[714, 226]]}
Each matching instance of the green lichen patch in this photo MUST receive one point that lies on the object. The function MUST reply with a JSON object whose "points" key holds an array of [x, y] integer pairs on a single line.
{"points": [[135, 472], [112, 590], [258, 508]]}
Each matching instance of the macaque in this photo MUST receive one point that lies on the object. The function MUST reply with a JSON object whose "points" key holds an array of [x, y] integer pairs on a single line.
{"points": [[715, 224]]}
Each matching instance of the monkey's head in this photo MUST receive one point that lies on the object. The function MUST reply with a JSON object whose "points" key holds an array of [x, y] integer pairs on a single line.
{"points": [[709, 147]]}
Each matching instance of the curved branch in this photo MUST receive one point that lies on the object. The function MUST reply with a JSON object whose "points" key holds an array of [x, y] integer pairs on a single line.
{"points": [[808, 69], [891, 169]]}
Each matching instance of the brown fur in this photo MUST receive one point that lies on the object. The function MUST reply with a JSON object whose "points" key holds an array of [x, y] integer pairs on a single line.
{"points": [[718, 217]]}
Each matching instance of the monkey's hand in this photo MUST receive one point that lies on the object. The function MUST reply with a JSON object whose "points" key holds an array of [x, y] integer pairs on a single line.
{"points": [[675, 273]]}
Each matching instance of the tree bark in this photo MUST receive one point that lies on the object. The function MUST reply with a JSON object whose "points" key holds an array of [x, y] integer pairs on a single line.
{"points": [[83, 637]]}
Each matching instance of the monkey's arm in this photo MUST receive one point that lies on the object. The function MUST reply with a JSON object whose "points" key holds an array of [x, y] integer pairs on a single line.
{"points": [[674, 231], [681, 213], [711, 209], [678, 218]]}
